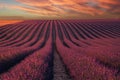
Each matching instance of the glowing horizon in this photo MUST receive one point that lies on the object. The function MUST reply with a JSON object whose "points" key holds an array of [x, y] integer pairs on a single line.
{"points": [[59, 9], [5, 22]]}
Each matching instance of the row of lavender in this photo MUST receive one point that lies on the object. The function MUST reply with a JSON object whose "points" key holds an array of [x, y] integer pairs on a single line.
{"points": [[89, 50], [97, 61], [32, 60], [20, 34]]}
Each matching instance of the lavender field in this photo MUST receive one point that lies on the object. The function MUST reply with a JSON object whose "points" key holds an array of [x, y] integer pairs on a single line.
{"points": [[60, 50]]}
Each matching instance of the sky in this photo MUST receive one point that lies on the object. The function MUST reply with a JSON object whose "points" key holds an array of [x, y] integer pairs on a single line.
{"points": [[59, 9]]}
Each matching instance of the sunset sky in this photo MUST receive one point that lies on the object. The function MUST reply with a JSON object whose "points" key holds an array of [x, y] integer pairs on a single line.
{"points": [[59, 9]]}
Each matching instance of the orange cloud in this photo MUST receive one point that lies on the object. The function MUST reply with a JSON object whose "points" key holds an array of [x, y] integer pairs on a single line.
{"points": [[35, 2], [110, 1], [62, 6], [69, 8]]}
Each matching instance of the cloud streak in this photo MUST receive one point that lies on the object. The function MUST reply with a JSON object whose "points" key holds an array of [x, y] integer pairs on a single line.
{"points": [[70, 8]]}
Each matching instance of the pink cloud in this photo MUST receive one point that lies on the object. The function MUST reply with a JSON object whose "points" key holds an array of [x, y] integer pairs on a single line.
{"points": [[70, 8]]}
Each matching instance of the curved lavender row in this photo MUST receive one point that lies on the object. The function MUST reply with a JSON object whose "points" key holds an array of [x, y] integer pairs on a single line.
{"points": [[34, 37], [17, 34], [37, 37], [13, 27], [13, 56], [22, 36], [109, 57], [14, 37], [5, 28], [25, 35], [28, 37], [88, 50], [83, 67], [95, 42], [61, 35], [10, 31], [7, 53], [35, 67], [72, 57]]}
